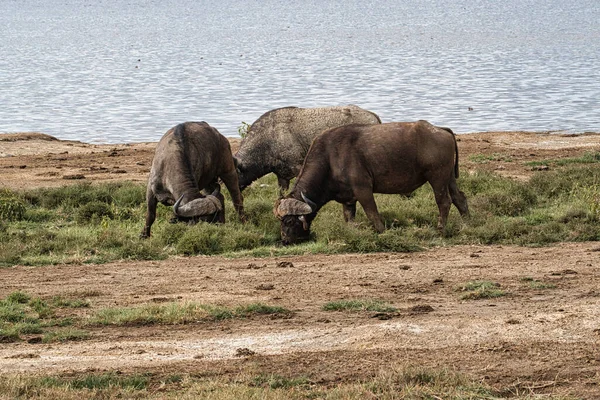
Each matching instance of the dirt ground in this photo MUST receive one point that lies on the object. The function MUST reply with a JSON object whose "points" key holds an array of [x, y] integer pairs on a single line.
{"points": [[531, 340]]}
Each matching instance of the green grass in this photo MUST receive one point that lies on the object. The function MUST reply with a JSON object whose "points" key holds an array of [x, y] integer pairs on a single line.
{"points": [[97, 382], [62, 302], [586, 158], [178, 313], [394, 382], [86, 223], [484, 158], [477, 290], [537, 285], [65, 335], [22, 314], [358, 305]]}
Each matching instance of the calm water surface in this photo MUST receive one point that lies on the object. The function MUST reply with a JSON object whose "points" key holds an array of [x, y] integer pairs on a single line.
{"points": [[127, 70]]}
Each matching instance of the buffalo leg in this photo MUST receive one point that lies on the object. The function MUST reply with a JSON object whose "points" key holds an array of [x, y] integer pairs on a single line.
{"points": [[150, 214], [367, 201], [459, 199], [349, 211], [221, 214], [231, 182], [442, 198]]}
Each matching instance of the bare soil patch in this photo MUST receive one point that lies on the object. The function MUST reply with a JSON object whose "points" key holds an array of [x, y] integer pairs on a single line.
{"points": [[543, 340]]}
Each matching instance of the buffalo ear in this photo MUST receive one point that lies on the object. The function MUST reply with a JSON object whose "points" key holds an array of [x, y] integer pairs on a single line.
{"points": [[302, 219]]}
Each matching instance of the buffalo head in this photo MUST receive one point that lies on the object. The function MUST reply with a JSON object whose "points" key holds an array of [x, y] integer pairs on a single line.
{"points": [[199, 208], [295, 219], [243, 178]]}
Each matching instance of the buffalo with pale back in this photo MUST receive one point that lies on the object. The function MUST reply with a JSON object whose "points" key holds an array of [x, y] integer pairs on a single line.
{"points": [[350, 163], [279, 140]]}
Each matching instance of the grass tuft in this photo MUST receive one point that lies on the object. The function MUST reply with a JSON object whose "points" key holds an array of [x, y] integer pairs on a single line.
{"points": [[65, 335], [178, 313], [537, 285], [358, 305], [477, 290]]}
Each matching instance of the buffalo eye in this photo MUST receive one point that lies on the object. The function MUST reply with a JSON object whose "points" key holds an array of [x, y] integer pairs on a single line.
{"points": [[289, 221]]}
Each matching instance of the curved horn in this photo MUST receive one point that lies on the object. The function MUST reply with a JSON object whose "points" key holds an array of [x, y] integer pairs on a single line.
{"points": [[202, 206], [176, 205], [292, 207], [308, 201]]}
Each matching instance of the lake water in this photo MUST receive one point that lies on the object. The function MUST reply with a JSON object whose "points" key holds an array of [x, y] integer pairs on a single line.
{"points": [[113, 71]]}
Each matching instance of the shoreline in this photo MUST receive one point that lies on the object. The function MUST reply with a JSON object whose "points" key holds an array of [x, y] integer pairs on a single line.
{"points": [[32, 159]]}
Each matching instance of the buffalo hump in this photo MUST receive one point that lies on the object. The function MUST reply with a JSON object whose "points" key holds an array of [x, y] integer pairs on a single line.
{"points": [[279, 140]]}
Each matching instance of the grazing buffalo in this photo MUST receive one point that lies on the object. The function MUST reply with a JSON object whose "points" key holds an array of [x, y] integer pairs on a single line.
{"points": [[279, 140], [190, 158], [350, 163]]}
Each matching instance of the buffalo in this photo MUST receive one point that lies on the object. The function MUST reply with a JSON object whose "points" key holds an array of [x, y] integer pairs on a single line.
{"points": [[188, 162], [279, 140], [350, 163]]}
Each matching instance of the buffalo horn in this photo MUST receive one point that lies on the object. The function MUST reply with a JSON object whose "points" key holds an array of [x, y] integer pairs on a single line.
{"points": [[292, 207], [308, 201], [202, 206]]}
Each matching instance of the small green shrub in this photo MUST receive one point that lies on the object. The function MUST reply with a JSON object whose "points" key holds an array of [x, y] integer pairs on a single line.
{"points": [[537, 285], [128, 194], [480, 290], [12, 208], [170, 234], [8, 335], [243, 129], [12, 312], [203, 238], [41, 307], [93, 213], [18, 297], [259, 309], [512, 199]]}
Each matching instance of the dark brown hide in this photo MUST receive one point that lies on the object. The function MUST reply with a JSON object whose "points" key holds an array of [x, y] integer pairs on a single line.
{"points": [[350, 163], [190, 157]]}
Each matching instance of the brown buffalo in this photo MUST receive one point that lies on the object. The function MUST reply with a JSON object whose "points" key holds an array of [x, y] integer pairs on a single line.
{"points": [[190, 158], [350, 163]]}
